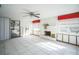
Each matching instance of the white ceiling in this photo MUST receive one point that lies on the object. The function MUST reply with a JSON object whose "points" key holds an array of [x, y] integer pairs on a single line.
{"points": [[46, 10]]}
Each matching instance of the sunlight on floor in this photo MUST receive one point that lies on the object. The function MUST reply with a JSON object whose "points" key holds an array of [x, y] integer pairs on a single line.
{"points": [[50, 46]]}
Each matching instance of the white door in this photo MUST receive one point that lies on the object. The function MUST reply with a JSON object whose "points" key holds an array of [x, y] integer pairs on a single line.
{"points": [[2, 32], [4, 28], [0, 28]]}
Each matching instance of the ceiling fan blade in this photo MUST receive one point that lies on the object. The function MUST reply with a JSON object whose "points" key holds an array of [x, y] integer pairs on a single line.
{"points": [[25, 15], [37, 14], [31, 13], [26, 10], [35, 11]]}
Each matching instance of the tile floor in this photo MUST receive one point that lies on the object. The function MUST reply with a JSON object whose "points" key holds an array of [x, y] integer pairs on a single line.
{"points": [[34, 45]]}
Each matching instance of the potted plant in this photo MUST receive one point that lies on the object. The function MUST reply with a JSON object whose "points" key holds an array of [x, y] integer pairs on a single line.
{"points": [[45, 26]]}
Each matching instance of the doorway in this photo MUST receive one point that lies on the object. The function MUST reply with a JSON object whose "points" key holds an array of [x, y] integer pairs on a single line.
{"points": [[15, 28]]}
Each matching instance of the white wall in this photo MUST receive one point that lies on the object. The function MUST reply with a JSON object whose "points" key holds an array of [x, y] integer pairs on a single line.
{"points": [[68, 24], [52, 24], [7, 30], [25, 23]]}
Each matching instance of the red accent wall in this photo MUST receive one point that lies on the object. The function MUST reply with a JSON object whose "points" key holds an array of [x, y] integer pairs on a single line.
{"points": [[69, 16], [36, 21]]}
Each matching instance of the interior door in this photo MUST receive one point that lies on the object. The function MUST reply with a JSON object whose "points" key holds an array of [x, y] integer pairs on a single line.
{"points": [[4, 28]]}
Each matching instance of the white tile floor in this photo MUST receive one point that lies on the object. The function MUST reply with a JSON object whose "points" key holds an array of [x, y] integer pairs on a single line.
{"points": [[34, 45]]}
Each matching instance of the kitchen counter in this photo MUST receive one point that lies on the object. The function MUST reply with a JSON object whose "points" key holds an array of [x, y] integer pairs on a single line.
{"points": [[72, 38], [75, 34]]}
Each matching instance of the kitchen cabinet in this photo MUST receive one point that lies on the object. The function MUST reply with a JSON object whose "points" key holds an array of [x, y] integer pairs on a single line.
{"points": [[59, 37], [65, 38], [77, 40], [72, 39]]}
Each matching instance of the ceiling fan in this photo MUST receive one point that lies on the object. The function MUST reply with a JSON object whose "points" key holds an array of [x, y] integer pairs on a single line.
{"points": [[31, 13]]}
